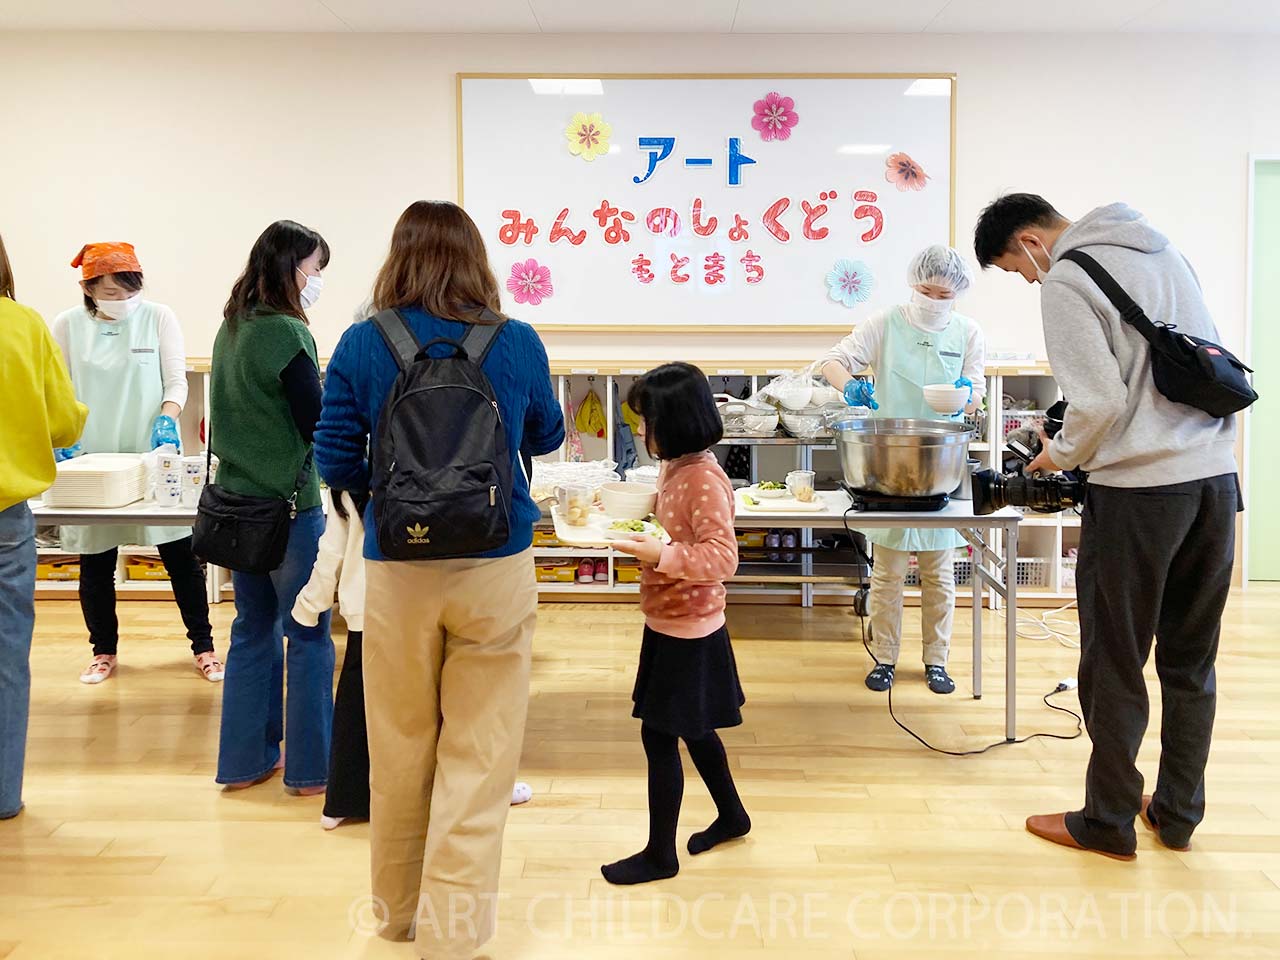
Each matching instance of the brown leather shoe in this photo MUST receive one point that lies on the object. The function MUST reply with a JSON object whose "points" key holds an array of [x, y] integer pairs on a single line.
{"points": [[1145, 815], [1053, 827]]}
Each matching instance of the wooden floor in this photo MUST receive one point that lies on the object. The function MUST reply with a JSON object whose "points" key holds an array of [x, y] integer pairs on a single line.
{"points": [[865, 845]]}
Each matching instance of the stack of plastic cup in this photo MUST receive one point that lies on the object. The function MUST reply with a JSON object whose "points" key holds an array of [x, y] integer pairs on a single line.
{"points": [[169, 477]]}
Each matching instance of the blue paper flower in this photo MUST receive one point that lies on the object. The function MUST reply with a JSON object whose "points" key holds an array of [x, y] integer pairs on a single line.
{"points": [[850, 282]]}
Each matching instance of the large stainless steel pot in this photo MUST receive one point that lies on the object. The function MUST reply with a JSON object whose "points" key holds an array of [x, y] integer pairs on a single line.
{"points": [[903, 458]]}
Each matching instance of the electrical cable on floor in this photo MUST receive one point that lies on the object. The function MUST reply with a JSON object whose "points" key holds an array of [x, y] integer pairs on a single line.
{"points": [[1062, 687], [1048, 626]]}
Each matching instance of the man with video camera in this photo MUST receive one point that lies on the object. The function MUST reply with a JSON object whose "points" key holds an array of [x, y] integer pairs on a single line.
{"points": [[1158, 532]]}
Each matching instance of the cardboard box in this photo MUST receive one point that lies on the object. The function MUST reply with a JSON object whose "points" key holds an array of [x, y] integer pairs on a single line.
{"points": [[751, 538]]}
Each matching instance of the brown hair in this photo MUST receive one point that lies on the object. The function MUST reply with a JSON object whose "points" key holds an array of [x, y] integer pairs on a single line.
{"points": [[437, 261], [6, 274]]}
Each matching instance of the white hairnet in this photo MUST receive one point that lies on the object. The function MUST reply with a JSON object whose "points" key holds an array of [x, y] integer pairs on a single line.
{"points": [[942, 265]]}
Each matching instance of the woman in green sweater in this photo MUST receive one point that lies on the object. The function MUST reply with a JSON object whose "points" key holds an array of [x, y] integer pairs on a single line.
{"points": [[264, 404]]}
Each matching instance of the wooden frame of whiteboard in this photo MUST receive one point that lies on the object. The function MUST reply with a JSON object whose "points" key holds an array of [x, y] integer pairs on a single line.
{"points": [[830, 328]]}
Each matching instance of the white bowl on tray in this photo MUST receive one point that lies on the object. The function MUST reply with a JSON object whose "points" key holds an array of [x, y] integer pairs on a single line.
{"points": [[945, 398], [628, 501], [793, 395], [756, 491]]}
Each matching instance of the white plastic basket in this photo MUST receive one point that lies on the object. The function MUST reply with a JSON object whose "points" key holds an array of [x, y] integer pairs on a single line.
{"points": [[104, 480]]}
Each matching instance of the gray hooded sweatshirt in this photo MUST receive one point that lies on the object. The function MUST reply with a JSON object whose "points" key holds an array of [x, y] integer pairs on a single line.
{"points": [[1118, 426]]}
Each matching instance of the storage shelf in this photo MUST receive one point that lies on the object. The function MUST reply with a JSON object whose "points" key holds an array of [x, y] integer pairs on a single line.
{"points": [[570, 553], [822, 443]]}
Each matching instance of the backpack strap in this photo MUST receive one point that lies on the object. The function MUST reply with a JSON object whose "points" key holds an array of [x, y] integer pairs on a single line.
{"points": [[480, 337], [1130, 312], [398, 336]]}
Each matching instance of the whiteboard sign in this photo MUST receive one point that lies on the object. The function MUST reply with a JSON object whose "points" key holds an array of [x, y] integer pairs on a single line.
{"points": [[767, 202]]}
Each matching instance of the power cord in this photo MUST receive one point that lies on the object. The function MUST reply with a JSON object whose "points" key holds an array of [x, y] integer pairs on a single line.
{"points": [[1048, 626], [1062, 687]]}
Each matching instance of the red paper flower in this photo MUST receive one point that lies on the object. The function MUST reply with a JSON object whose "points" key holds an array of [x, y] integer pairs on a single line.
{"points": [[904, 173], [775, 115], [530, 282]]}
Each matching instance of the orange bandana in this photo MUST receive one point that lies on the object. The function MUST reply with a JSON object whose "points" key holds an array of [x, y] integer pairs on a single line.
{"points": [[100, 259]]}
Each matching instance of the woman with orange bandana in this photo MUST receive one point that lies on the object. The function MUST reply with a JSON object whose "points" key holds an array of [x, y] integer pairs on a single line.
{"points": [[128, 362]]}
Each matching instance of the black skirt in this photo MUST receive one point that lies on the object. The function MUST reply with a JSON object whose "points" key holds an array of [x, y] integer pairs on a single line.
{"points": [[687, 688]]}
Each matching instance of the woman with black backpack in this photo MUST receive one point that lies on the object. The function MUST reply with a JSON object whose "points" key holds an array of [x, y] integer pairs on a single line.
{"points": [[451, 600]]}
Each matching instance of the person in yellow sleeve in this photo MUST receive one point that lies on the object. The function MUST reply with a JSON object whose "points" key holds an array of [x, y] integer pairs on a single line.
{"points": [[42, 413]]}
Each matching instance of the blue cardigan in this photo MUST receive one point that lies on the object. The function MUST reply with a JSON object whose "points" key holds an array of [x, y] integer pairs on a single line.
{"points": [[362, 373]]}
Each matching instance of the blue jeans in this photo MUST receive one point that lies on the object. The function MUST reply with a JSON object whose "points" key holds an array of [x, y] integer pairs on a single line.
{"points": [[17, 618], [253, 702]]}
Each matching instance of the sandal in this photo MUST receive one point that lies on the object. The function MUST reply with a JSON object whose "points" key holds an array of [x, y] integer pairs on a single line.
{"points": [[103, 666], [210, 667]]}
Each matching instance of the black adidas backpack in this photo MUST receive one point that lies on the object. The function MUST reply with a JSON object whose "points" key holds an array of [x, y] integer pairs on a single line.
{"points": [[441, 465]]}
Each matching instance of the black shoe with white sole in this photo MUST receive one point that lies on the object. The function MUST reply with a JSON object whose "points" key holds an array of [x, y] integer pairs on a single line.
{"points": [[938, 680], [880, 678]]}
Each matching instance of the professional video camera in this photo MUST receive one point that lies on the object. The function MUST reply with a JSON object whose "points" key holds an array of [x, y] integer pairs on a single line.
{"points": [[993, 491]]}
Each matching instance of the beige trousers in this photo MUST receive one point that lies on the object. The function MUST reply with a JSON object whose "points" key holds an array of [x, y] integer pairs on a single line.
{"points": [[937, 603], [446, 670]]}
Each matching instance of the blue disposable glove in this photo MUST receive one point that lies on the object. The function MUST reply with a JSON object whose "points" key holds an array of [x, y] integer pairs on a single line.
{"points": [[860, 393], [965, 382], [165, 430], [66, 453]]}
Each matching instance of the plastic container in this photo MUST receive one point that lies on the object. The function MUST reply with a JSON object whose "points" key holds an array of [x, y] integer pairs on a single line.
{"points": [[576, 503], [800, 486]]}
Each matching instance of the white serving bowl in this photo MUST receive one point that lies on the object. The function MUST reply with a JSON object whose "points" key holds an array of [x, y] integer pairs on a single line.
{"points": [[628, 501], [944, 398], [793, 395], [826, 395]]}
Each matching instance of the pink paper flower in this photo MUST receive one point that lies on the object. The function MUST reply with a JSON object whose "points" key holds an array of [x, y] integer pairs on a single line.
{"points": [[904, 173], [775, 115], [530, 282]]}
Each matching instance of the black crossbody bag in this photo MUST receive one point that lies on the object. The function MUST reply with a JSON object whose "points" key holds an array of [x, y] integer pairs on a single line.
{"points": [[242, 533], [1186, 369]]}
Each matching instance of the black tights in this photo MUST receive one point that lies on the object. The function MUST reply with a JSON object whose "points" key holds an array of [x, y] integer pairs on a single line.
{"points": [[658, 859]]}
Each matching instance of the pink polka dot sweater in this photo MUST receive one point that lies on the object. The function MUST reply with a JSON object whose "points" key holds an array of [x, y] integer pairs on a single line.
{"points": [[683, 596]]}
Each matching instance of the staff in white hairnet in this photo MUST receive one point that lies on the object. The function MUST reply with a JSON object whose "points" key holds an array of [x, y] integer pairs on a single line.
{"points": [[906, 347]]}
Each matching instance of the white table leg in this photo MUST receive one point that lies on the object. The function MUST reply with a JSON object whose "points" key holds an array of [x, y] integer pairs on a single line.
{"points": [[976, 579], [1011, 632]]}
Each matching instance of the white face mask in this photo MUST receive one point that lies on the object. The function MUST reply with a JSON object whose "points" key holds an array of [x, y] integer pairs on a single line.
{"points": [[118, 309], [1040, 274], [311, 292], [930, 313]]}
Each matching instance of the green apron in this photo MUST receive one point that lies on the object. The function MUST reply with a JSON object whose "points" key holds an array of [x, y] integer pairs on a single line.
{"points": [[909, 359], [115, 368]]}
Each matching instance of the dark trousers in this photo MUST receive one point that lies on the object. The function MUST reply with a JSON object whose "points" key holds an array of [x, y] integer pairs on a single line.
{"points": [[348, 792], [186, 576], [1154, 562]]}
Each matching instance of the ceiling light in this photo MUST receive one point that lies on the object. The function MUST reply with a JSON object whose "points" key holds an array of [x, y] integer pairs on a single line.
{"points": [[863, 149], [568, 86], [932, 87]]}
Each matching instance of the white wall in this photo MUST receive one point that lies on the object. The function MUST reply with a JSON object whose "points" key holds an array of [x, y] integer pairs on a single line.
{"points": [[189, 144]]}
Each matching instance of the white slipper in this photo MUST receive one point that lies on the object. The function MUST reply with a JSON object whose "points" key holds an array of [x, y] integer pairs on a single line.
{"points": [[102, 667], [521, 793]]}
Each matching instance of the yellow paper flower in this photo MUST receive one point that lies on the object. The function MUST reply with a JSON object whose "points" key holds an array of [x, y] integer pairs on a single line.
{"points": [[588, 135]]}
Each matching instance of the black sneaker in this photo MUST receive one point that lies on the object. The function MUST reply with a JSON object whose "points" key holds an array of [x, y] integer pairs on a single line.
{"points": [[880, 678], [936, 677]]}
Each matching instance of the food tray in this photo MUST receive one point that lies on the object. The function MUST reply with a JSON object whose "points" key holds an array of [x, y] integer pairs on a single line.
{"points": [[99, 480], [596, 534], [784, 505]]}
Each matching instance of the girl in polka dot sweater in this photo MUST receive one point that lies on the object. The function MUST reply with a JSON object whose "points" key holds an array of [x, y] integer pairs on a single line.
{"points": [[687, 681]]}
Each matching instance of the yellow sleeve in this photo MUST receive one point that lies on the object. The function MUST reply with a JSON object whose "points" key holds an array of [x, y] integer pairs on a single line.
{"points": [[66, 414]]}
